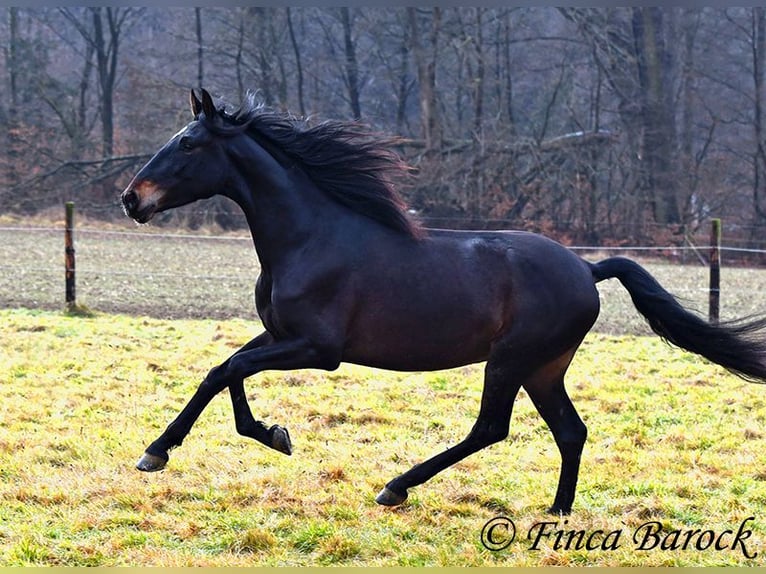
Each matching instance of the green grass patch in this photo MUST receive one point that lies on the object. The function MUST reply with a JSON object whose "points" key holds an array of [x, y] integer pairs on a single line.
{"points": [[672, 440]]}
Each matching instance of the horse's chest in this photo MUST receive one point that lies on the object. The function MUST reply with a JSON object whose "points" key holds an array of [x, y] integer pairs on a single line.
{"points": [[283, 312], [265, 307]]}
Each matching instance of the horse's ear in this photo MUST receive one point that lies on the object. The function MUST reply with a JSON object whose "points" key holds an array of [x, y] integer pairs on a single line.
{"points": [[208, 106], [196, 105]]}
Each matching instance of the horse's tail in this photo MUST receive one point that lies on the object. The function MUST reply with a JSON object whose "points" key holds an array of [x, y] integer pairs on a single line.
{"points": [[739, 346]]}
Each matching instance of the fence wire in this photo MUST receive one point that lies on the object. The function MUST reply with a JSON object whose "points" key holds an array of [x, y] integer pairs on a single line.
{"points": [[197, 275]]}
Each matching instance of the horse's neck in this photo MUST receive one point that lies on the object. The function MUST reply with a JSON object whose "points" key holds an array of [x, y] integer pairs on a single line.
{"points": [[286, 214]]}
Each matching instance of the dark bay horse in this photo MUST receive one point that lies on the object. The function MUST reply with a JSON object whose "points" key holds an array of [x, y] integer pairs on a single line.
{"points": [[347, 276]]}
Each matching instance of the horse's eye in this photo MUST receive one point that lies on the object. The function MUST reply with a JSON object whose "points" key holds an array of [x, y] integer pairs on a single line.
{"points": [[186, 144]]}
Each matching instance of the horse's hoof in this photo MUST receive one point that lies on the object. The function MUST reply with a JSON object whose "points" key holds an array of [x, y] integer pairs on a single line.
{"points": [[151, 463], [388, 497], [280, 440]]}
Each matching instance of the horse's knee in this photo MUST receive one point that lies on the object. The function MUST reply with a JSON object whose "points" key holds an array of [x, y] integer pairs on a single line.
{"points": [[214, 382], [571, 440], [485, 434], [215, 374], [578, 434]]}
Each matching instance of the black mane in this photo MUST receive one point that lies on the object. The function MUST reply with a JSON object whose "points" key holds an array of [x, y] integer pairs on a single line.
{"points": [[354, 166]]}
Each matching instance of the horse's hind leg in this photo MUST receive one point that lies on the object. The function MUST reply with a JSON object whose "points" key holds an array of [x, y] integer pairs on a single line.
{"points": [[500, 390], [569, 432]]}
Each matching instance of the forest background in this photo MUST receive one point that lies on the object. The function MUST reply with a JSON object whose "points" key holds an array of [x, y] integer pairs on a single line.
{"points": [[595, 125]]}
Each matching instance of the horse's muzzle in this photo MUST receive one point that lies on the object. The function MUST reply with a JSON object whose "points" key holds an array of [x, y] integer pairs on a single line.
{"points": [[136, 208]]}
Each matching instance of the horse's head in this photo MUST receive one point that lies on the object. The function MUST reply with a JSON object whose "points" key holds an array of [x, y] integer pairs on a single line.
{"points": [[190, 166]]}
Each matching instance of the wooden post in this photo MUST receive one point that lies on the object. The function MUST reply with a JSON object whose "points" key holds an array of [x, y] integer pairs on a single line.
{"points": [[715, 271], [69, 256]]}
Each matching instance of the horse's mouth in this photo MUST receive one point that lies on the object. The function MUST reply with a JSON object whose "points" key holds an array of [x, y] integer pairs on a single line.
{"points": [[145, 214], [142, 215]]}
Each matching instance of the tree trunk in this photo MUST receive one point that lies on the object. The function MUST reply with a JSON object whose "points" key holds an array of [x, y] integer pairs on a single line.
{"points": [[102, 63], [404, 84], [298, 63], [12, 62], [425, 62], [505, 79], [200, 51], [478, 96], [659, 132], [352, 67], [758, 56]]}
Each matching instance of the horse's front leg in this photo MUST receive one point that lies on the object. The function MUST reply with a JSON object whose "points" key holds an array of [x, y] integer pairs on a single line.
{"points": [[275, 436], [260, 354]]}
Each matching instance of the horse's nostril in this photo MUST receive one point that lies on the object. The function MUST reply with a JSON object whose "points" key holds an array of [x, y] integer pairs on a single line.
{"points": [[130, 200]]}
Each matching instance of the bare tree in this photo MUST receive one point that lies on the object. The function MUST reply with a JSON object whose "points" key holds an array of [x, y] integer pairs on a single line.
{"points": [[503, 71], [200, 47], [425, 57], [758, 54], [634, 52], [352, 66], [660, 140], [298, 62], [11, 120], [103, 28]]}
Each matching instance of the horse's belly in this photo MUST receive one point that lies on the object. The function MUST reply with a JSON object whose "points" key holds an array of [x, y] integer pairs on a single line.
{"points": [[407, 345], [414, 359]]}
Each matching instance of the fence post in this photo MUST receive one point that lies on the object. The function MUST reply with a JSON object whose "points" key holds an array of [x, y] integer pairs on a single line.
{"points": [[69, 256], [715, 271]]}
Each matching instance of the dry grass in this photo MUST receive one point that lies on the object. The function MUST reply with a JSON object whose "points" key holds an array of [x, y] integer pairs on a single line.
{"points": [[671, 439]]}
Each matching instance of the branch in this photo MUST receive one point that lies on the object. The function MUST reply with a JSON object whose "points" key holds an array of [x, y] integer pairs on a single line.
{"points": [[573, 140], [105, 164]]}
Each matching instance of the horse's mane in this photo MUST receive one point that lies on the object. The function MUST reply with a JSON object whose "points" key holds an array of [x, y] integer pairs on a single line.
{"points": [[355, 166]]}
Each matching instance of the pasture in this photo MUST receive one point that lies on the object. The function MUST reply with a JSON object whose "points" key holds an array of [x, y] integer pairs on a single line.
{"points": [[672, 440]]}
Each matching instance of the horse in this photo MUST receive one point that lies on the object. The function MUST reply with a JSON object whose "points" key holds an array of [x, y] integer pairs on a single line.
{"points": [[347, 275]]}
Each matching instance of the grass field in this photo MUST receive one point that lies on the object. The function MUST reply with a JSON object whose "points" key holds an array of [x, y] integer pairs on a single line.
{"points": [[672, 440]]}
